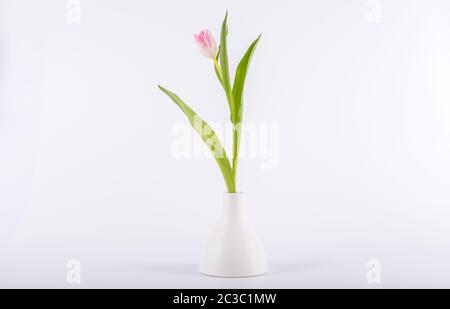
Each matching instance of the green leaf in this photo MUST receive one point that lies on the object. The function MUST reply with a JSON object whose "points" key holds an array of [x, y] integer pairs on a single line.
{"points": [[239, 79], [208, 136], [223, 58], [238, 89]]}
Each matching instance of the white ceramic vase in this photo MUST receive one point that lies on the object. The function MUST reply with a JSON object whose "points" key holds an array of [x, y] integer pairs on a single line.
{"points": [[234, 249]]}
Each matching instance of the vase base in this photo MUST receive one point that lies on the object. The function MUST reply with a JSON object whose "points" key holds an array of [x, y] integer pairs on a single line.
{"points": [[217, 275]]}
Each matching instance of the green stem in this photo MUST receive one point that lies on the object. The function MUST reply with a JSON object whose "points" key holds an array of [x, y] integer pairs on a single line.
{"points": [[230, 183], [218, 70], [236, 142]]}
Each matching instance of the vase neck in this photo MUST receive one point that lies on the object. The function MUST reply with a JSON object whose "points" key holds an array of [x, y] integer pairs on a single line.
{"points": [[234, 207]]}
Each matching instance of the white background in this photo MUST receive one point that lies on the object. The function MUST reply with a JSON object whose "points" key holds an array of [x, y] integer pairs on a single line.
{"points": [[86, 169]]}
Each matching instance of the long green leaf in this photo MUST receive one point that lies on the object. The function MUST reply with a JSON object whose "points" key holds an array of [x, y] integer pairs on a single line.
{"points": [[223, 58], [238, 89], [239, 78], [208, 136]]}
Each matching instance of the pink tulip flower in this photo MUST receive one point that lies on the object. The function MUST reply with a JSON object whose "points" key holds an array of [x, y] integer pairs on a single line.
{"points": [[206, 43]]}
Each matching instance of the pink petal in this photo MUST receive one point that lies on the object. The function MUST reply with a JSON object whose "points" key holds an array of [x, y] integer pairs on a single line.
{"points": [[208, 37]]}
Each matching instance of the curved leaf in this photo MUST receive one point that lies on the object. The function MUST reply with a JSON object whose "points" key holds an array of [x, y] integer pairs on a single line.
{"points": [[208, 136], [239, 78], [238, 88], [223, 58]]}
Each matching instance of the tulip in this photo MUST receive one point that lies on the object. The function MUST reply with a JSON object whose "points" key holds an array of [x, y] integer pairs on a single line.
{"points": [[234, 96], [206, 43]]}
